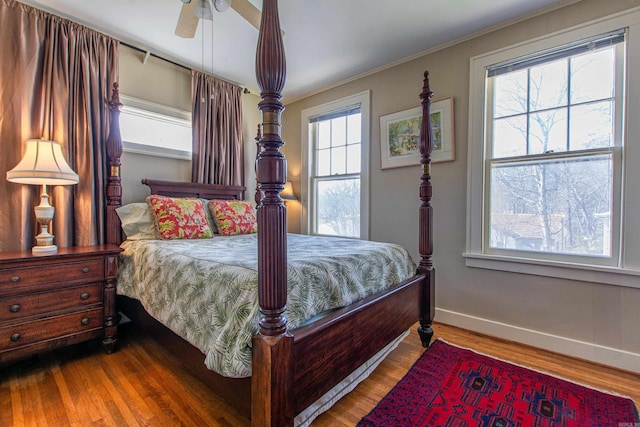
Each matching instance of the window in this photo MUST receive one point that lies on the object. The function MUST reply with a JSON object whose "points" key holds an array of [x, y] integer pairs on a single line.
{"points": [[337, 141], [554, 151], [547, 155], [155, 129]]}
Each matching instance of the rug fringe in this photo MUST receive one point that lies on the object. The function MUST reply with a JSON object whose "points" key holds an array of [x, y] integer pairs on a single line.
{"points": [[609, 392]]}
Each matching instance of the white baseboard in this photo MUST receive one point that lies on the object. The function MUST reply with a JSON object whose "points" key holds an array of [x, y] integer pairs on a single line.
{"points": [[584, 350]]}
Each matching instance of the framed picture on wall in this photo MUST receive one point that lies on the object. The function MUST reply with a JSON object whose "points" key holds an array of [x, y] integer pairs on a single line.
{"points": [[400, 134]]}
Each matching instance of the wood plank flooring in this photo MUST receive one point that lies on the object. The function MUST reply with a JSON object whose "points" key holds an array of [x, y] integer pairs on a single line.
{"points": [[142, 385]]}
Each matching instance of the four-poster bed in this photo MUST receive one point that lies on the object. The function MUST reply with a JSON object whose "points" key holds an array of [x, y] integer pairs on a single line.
{"points": [[291, 368]]}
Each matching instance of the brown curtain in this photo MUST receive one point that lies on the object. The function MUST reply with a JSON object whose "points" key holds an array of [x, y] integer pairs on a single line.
{"points": [[55, 79], [217, 131]]}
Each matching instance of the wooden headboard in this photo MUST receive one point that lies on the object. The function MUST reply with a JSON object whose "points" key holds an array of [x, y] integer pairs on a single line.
{"points": [[192, 189]]}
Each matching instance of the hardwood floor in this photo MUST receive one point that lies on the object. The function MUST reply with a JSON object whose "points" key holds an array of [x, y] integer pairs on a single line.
{"points": [[141, 385]]}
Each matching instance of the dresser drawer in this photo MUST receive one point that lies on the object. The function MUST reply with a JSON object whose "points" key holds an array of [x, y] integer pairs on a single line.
{"points": [[21, 306], [18, 335], [43, 274]]}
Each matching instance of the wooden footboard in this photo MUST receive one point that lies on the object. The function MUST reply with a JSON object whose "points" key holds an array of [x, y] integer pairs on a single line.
{"points": [[309, 361], [328, 350]]}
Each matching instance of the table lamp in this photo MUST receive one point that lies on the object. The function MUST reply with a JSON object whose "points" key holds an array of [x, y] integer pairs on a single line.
{"points": [[43, 164], [287, 193]]}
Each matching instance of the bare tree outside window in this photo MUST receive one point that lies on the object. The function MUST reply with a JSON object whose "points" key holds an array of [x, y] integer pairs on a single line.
{"points": [[339, 208]]}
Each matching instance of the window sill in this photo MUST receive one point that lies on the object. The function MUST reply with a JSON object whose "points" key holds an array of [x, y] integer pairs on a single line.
{"points": [[148, 150], [579, 272]]}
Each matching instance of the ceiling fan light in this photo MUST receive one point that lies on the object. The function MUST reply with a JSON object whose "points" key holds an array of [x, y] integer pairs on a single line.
{"points": [[203, 10], [221, 5]]}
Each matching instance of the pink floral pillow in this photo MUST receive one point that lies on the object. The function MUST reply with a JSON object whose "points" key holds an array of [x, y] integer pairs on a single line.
{"points": [[233, 217], [177, 218]]}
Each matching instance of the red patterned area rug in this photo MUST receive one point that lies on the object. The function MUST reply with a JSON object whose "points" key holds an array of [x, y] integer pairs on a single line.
{"points": [[453, 386]]}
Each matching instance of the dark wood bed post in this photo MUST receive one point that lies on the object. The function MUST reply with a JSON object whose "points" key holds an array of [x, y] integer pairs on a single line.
{"points": [[425, 244], [114, 184], [258, 196], [272, 382], [112, 232]]}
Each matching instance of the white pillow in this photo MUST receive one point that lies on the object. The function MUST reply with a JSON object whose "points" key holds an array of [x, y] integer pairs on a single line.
{"points": [[137, 222]]}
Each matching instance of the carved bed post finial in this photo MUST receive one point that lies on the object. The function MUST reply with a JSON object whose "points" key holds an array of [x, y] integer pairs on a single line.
{"points": [[425, 244], [114, 184], [271, 171]]}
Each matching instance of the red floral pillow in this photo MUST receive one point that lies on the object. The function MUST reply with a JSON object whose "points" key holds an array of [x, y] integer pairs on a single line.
{"points": [[233, 217], [177, 218]]}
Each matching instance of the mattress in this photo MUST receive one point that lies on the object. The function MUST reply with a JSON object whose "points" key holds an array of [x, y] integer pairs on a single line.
{"points": [[206, 290]]}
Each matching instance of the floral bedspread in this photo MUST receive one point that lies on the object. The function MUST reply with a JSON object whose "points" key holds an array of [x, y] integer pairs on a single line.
{"points": [[206, 290]]}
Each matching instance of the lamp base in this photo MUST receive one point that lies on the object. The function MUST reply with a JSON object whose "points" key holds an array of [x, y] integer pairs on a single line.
{"points": [[44, 250], [44, 215]]}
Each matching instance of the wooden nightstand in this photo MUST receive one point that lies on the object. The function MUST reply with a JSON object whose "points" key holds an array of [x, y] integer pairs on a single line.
{"points": [[56, 300]]}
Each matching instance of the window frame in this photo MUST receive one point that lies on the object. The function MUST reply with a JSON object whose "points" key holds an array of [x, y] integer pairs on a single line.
{"points": [[624, 270], [307, 153]]}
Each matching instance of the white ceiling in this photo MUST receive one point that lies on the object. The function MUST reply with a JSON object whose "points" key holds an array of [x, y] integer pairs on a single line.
{"points": [[326, 41]]}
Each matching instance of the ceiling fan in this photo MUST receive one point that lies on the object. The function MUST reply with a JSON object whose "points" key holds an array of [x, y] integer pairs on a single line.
{"points": [[194, 10]]}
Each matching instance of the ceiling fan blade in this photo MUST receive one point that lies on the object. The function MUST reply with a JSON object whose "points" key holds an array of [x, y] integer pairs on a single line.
{"points": [[247, 11], [188, 21]]}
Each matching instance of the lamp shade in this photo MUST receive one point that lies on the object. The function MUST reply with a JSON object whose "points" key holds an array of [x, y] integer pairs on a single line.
{"points": [[287, 192], [43, 164]]}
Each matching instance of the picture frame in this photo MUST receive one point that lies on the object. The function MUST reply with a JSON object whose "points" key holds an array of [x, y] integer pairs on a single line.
{"points": [[400, 134]]}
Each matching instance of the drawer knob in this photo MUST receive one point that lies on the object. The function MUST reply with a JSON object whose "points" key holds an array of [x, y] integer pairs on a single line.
{"points": [[15, 279], [14, 308], [85, 321], [15, 337], [85, 270], [84, 295]]}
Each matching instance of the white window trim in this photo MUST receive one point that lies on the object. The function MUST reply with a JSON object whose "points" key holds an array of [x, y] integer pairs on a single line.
{"points": [[362, 98], [157, 112], [627, 272]]}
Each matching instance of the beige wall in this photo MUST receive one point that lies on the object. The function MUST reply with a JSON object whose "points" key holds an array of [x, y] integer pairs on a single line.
{"points": [[164, 83], [588, 319]]}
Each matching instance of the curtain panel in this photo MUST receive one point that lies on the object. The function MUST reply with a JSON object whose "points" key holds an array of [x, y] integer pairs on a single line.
{"points": [[217, 131], [55, 79]]}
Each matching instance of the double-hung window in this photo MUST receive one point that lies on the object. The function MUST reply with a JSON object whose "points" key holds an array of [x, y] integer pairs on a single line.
{"points": [[554, 151], [549, 166], [336, 141]]}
